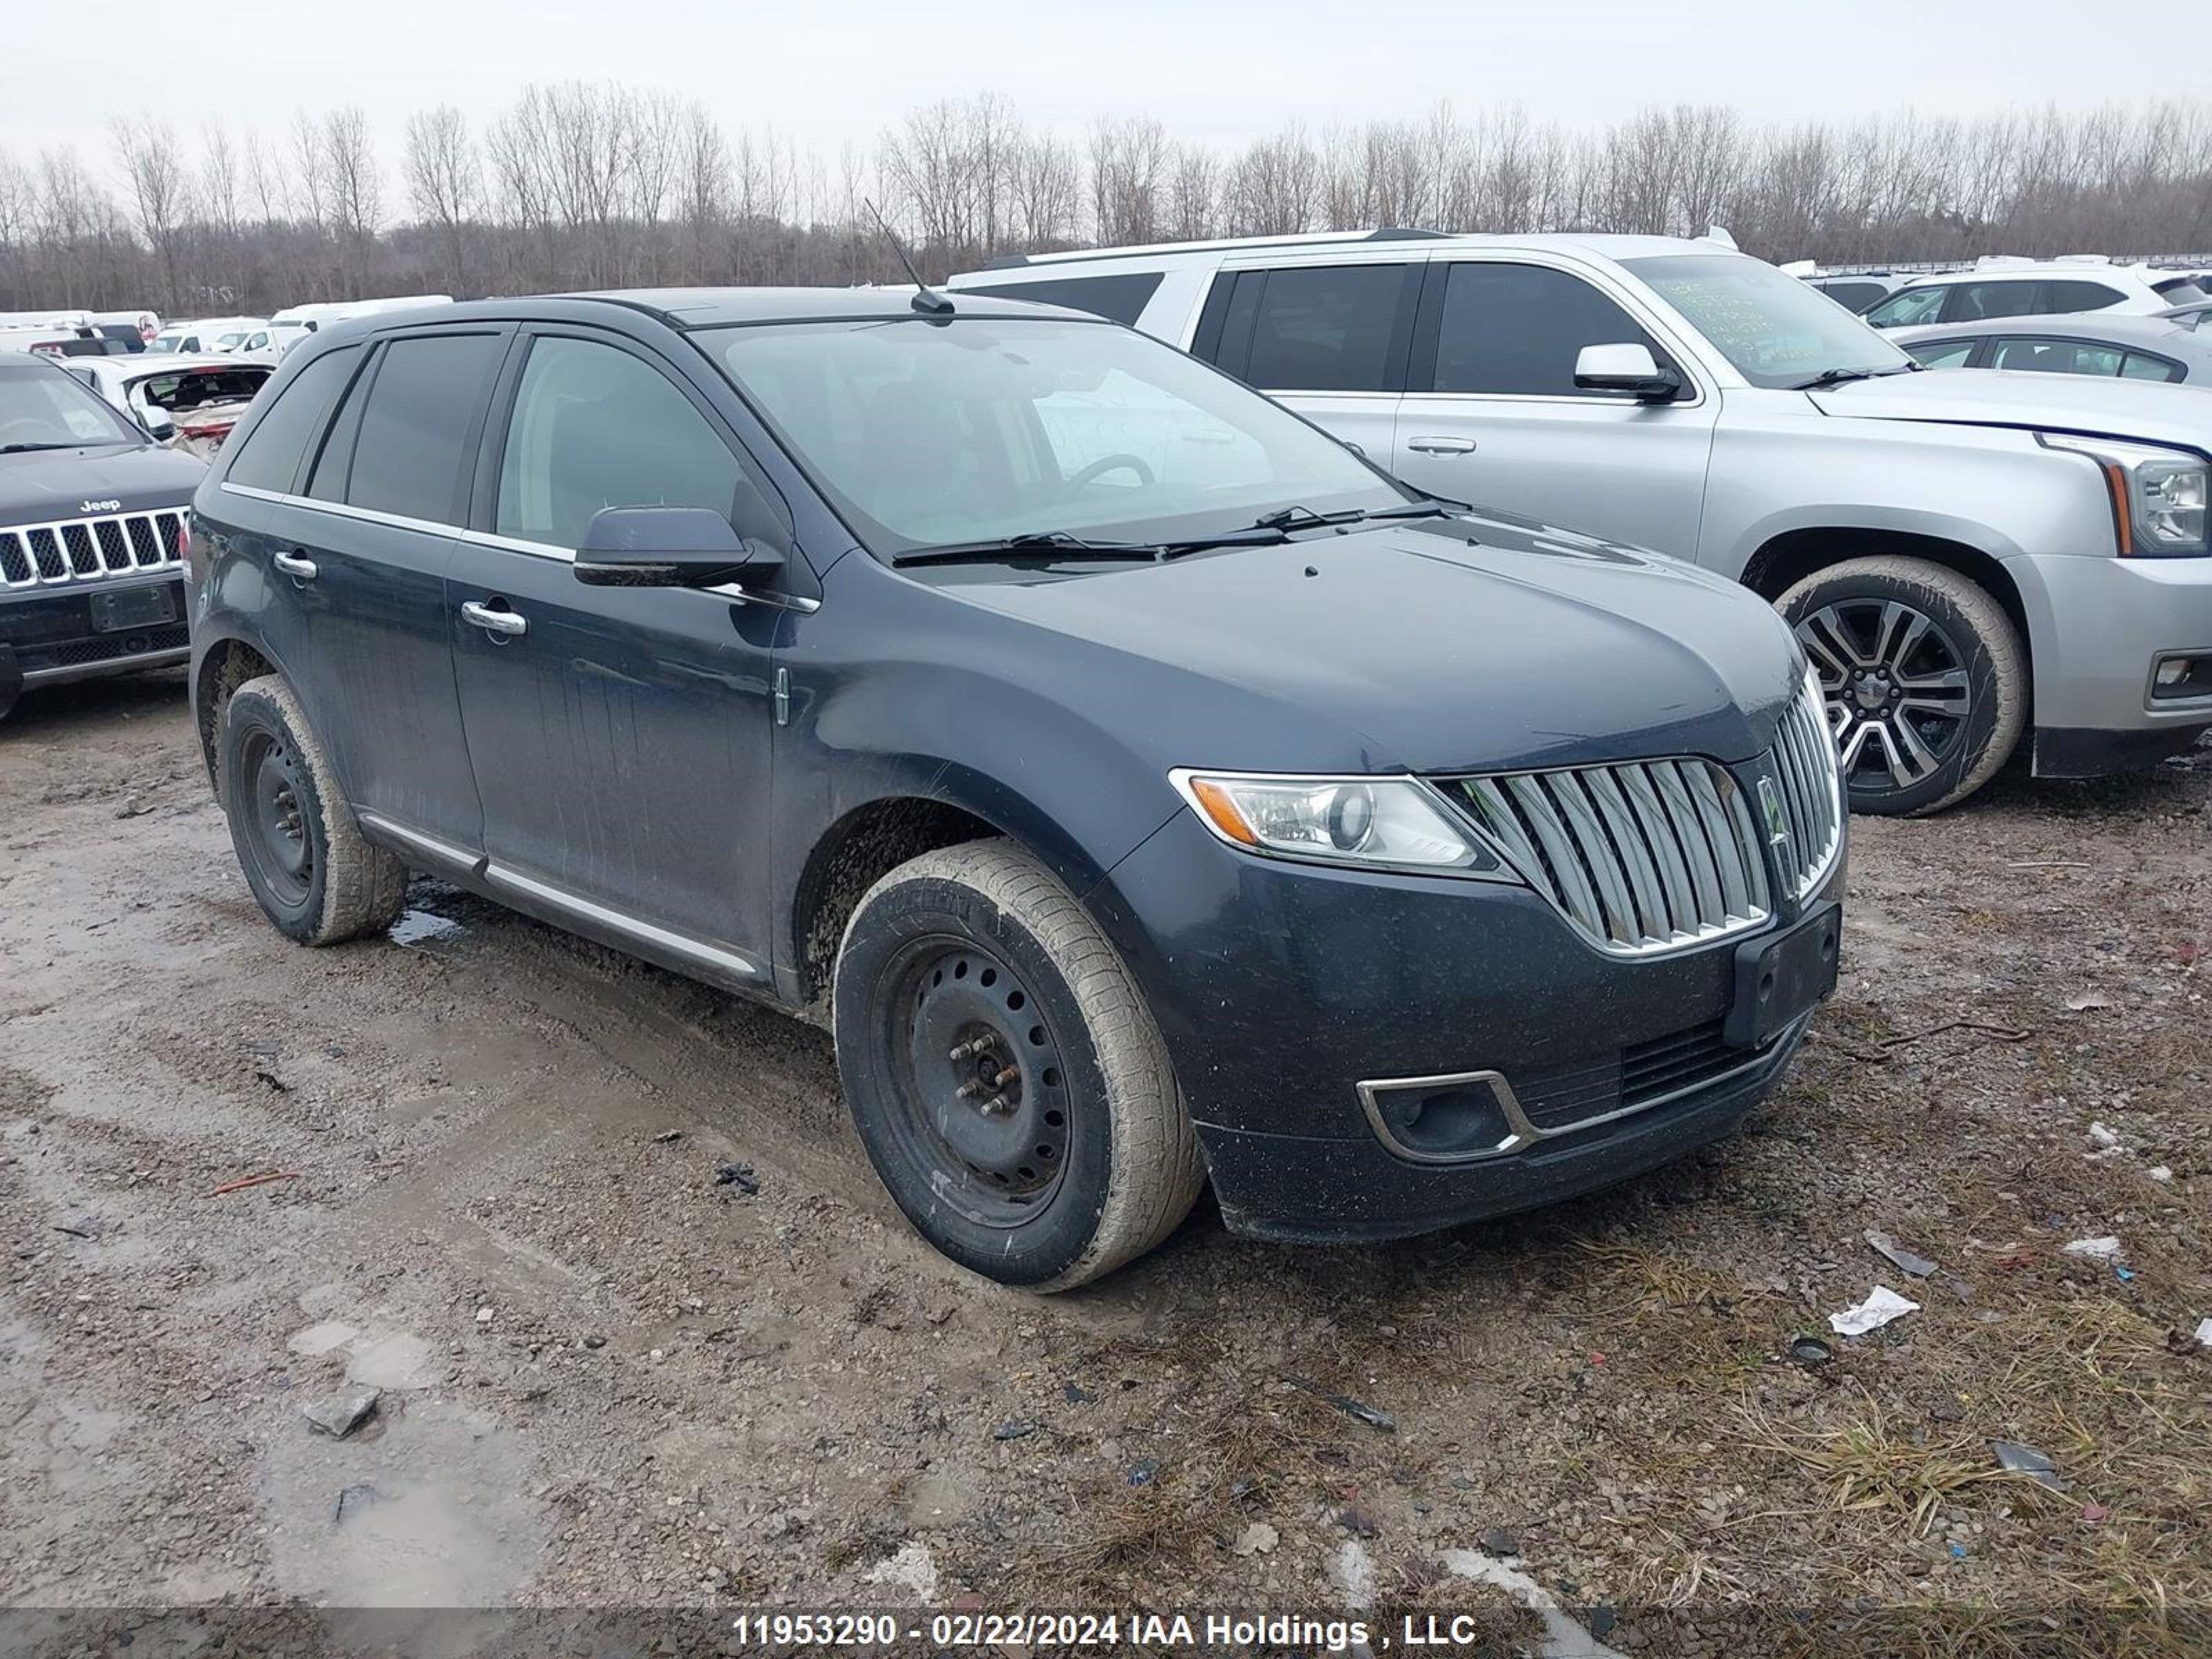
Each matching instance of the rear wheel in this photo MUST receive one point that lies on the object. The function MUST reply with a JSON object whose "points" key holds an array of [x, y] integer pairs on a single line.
{"points": [[298, 845], [1004, 1073], [1922, 675]]}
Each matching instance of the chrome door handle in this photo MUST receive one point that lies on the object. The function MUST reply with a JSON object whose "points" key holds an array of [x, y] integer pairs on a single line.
{"points": [[491, 621], [1441, 445], [294, 566]]}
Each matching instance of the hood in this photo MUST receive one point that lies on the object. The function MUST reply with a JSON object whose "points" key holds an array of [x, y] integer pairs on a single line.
{"points": [[47, 486], [2151, 411], [1448, 645]]}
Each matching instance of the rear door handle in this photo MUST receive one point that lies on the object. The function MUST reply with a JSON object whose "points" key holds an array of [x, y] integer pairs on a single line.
{"points": [[292, 565], [493, 621], [1441, 445]]}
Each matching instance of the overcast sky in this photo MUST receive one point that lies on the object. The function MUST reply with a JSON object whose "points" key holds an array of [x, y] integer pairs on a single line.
{"points": [[1222, 71]]}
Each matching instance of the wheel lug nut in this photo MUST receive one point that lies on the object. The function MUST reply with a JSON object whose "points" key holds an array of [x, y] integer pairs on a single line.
{"points": [[967, 1050], [1004, 1078], [968, 1090], [997, 1104]]}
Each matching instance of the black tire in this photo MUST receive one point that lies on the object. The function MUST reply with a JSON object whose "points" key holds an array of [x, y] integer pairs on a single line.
{"points": [[297, 843], [1924, 676], [1070, 1151]]}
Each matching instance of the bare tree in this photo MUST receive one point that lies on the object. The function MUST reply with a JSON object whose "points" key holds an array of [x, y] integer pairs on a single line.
{"points": [[444, 182], [158, 190]]}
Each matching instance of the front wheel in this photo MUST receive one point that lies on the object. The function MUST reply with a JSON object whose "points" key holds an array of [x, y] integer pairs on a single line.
{"points": [[1924, 677], [1004, 1073]]}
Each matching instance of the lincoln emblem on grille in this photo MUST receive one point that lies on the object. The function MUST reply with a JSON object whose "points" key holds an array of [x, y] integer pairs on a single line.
{"points": [[1778, 822]]}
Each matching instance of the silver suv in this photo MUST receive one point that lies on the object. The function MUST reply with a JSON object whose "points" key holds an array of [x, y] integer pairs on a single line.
{"points": [[1969, 559]]}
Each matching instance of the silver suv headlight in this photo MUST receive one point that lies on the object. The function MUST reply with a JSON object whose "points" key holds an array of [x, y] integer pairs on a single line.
{"points": [[2159, 494], [1380, 823]]}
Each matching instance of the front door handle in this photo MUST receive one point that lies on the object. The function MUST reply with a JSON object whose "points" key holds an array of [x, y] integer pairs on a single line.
{"points": [[1441, 445], [299, 568], [504, 623]]}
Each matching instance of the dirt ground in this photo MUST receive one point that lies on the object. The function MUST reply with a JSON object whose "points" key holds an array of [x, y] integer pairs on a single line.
{"points": [[608, 1380]]}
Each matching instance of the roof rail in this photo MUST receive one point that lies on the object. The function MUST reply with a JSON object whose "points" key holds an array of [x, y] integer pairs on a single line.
{"points": [[1311, 239]]}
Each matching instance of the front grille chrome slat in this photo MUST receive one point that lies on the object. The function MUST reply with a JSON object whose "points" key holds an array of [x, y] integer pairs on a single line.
{"points": [[1804, 761], [1641, 858], [92, 550]]}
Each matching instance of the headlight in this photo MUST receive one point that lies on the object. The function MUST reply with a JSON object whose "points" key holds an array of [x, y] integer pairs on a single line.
{"points": [[1392, 823], [2159, 495]]}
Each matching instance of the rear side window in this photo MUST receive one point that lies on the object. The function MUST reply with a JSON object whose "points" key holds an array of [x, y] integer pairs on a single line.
{"points": [[2139, 366], [594, 427], [409, 457], [2057, 356], [2180, 291], [1517, 330], [1121, 298], [1327, 328], [2080, 296], [269, 457]]}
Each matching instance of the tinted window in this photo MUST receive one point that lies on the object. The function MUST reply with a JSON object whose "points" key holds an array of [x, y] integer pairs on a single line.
{"points": [[2057, 356], [1121, 298], [408, 457], [593, 428], [1854, 297], [1907, 306], [2140, 367], [1943, 353], [2179, 291], [269, 457], [2081, 296], [1974, 301], [1517, 329], [1325, 330]]}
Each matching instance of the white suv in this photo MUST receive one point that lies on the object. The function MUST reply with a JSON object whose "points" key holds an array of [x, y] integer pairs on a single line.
{"points": [[1966, 558], [2051, 288]]}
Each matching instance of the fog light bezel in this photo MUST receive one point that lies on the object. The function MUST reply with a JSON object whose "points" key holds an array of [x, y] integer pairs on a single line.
{"points": [[1521, 1134], [2196, 678]]}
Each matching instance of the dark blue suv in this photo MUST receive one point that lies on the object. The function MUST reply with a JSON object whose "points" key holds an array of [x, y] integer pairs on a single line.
{"points": [[1144, 786]]}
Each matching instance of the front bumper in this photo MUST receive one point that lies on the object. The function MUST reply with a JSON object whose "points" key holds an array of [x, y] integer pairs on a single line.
{"points": [[2097, 627], [53, 636], [1280, 989]]}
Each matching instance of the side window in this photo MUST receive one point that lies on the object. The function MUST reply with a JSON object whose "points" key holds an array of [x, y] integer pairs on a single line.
{"points": [[1327, 329], [1121, 298], [2057, 356], [409, 457], [329, 468], [1972, 303], [269, 457], [2138, 367], [1943, 353], [1516, 330], [594, 427], [2079, 296], [1907, 306], [1852, 297]]}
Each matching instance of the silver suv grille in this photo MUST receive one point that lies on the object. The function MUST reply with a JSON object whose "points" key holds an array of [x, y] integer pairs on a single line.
{"points": [[1647, 856], [1812, 792], [1643, 856], [89, 550]]}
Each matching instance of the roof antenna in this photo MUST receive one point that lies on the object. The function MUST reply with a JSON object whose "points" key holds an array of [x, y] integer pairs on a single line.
{"points": [[927, 299]]}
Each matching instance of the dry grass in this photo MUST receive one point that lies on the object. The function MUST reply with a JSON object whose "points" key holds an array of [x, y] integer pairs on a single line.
{"points": [[1869, 1466]]}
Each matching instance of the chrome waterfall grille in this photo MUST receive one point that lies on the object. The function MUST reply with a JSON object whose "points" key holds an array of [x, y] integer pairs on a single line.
{"points": [[89, 550], [1642, 856], [1811, 786], [1649, 856]]}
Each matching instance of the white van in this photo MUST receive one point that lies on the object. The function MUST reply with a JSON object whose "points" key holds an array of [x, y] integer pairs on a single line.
{"points": [[206, 334], [288, 327]]}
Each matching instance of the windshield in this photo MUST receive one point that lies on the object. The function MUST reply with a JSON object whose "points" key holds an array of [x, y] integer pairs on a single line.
{"points": [[1776, 330], [937, 435], [53, 411]]}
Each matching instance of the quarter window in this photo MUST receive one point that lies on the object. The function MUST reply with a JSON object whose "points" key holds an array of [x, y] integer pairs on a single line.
{"points": [[594, 427], [1327, 329], [1943, 353], [1516, 330], [1907, 306], [2063, 296], [2057, 356], [269, 458], [408, 457]]}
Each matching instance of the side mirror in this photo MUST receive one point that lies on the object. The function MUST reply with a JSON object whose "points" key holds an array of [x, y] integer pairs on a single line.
{"points": [[160, 427], [1625, 368], [667, 547]]}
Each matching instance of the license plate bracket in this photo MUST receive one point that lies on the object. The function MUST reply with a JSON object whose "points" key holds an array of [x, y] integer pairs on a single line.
{"points": [[1781, 978], [146, 607]]}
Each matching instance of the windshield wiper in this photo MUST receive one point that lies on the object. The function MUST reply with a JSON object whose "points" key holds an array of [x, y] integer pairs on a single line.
{"points": [[1052, 545], [1828, 377], [21, 449]]}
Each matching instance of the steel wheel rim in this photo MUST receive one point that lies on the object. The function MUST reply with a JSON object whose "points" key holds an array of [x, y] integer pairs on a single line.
{"points": [[1896, 689], [980, 1090], [276, 817]]}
